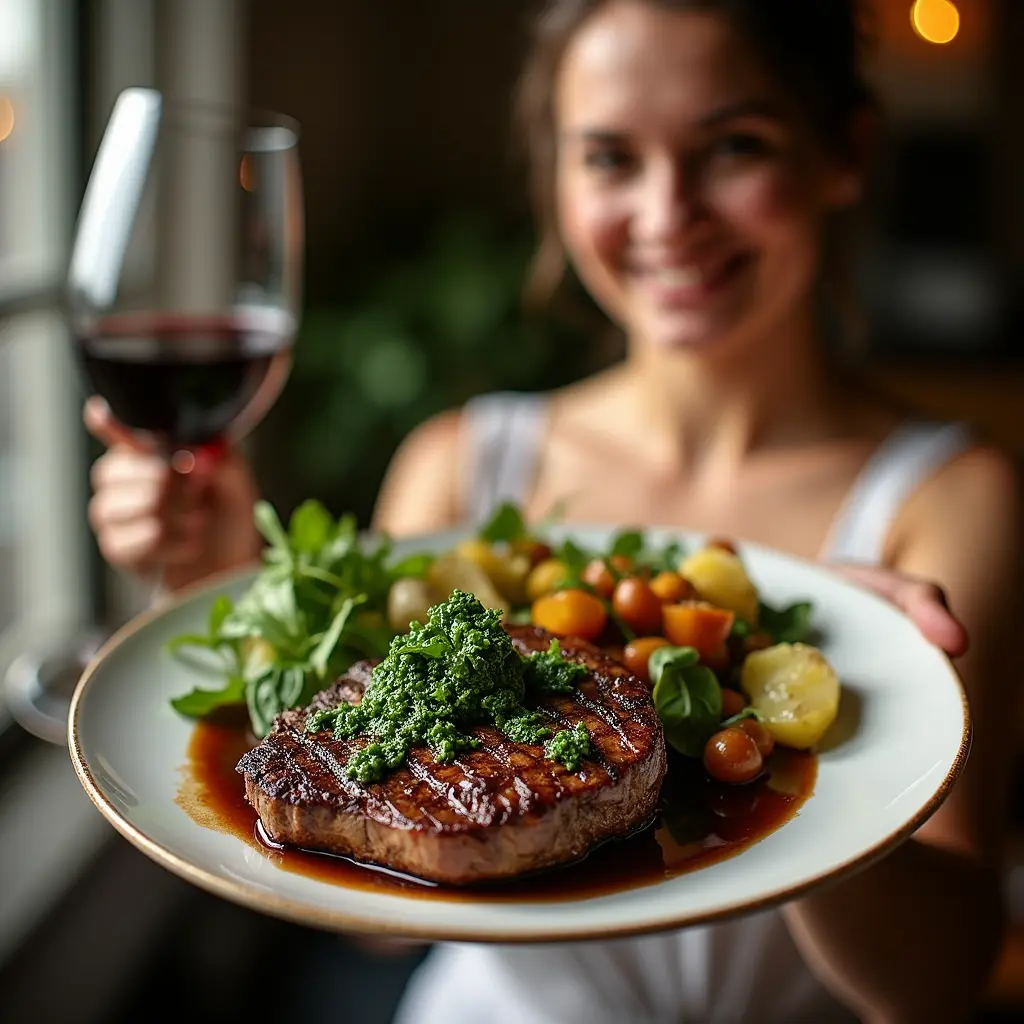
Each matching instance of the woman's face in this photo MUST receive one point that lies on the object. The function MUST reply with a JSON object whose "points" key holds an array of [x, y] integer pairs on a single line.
{"points": [[691, 193]]}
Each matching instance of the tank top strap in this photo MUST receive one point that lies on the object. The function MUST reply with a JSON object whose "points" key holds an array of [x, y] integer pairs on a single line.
{"points": [[913, 452], [502, 434]]}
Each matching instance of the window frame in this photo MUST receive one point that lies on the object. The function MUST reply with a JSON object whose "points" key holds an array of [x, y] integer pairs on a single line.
{"points": [[45, 456]]}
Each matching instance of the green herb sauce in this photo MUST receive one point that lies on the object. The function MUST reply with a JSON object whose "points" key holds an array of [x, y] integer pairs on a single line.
{"points": [[569, 746], [457, 670]]}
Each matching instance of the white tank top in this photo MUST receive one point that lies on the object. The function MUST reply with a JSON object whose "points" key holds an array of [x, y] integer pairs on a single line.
{"points": [[745, 971]]}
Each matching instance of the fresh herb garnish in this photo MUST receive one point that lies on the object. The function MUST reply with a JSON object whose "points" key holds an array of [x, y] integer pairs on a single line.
{"points": [[688, 698], [457, 670], [315, 608], [550, 672], [569, 746]]}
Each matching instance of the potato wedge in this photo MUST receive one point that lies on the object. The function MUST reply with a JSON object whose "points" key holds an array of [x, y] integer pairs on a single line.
{"points": [[721, 579], [409, 600], [796, 691], [453, 571], [507, 571]]}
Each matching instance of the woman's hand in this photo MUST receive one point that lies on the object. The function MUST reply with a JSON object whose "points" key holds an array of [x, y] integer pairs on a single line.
{"points": [[150, 519], [924, 602]]}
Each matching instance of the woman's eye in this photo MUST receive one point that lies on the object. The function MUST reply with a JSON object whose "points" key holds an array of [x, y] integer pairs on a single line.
{"points": [[739, 145], [609, 161]]}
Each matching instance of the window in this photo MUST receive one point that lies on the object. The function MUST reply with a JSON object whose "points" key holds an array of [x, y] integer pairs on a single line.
{"points": [[43, 540]]}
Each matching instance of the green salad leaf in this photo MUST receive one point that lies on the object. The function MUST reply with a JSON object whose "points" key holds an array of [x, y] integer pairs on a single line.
{"points": [[786, 625], [317, 605], [199, 703], [688, 698], [574, 558], [506, 524], [747, 712], [628, 543]]}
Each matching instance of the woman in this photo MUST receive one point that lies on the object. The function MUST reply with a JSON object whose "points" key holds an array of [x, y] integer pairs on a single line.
{"points": [[692, 158]]}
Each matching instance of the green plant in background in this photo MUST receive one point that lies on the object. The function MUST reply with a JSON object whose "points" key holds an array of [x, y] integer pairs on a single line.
{"points": [[426, 333]]}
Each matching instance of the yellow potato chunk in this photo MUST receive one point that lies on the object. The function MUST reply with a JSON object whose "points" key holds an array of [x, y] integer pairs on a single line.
{"points": [[795, 689], [722, 580], [508, 571], [409, 600], [453, 571], [545, 577]]}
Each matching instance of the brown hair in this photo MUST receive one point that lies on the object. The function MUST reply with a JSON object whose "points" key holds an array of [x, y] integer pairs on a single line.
{"points": [[813, 46]]}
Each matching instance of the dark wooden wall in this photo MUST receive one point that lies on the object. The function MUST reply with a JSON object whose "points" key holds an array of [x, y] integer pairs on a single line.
{"points": [[405, 107]]}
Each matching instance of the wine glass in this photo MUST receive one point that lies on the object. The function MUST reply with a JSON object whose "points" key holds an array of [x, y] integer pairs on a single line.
{"points": [[185, 275], [183, 297]]}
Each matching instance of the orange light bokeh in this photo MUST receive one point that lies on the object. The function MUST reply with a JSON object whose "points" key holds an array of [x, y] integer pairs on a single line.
{"points": [[935, 21]]}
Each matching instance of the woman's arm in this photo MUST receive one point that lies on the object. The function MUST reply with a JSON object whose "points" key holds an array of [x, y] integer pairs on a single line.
{"points": [[915, 937], [421, 489]]}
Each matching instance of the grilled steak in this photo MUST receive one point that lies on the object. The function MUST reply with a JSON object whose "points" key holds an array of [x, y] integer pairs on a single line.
{"points": [[495, 812]]}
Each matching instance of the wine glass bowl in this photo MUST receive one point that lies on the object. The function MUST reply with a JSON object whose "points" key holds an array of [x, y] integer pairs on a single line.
{"points": [[184, 284]]}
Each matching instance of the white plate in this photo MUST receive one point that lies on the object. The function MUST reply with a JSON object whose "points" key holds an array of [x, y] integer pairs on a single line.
{"points": [[898, 746]]}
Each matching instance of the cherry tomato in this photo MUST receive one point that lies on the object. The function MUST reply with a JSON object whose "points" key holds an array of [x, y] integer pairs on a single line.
{"points": [[545, 578], [733, 702], [570, 613], [637, 655], [699, 625], [756, 642], [671, 587], [537, 551], [598, 576], [732, 756], [723, 543], [637, 605], [759, 734]]}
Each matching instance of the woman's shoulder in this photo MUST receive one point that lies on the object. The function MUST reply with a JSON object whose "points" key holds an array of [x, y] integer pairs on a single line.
{"points": [[980, 477], [425, 484], [421, 486], [975, 500]]}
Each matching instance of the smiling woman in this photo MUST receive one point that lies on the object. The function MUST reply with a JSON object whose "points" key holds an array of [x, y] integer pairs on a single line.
{"points": [[804, 68]]}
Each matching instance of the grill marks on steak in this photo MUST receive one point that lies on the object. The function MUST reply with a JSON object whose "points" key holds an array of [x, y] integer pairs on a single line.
{"points": [[495, 812]]}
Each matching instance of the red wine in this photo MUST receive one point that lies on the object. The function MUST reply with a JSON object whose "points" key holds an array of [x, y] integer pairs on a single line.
{"points": [[188, 380]]}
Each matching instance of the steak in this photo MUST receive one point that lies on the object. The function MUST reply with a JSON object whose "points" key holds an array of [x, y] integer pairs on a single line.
{"points": [[496, 812]]}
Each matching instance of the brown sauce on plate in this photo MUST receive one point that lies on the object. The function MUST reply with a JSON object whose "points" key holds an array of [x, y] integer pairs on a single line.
{"points": [[701, 822]]}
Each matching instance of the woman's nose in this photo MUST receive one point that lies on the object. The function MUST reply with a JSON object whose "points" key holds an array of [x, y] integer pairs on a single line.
{"points": [[668, 202]]}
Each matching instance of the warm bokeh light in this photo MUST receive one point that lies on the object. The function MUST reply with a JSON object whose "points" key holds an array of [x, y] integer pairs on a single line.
{"points": [[936, 21], [6, 117]]}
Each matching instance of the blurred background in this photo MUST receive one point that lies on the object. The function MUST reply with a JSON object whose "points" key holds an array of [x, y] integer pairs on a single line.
{"points": [[417, 239]]}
